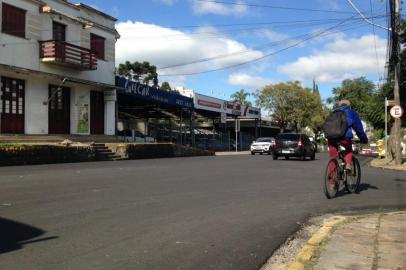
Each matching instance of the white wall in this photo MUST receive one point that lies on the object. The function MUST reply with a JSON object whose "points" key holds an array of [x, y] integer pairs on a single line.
{"points": [[24, 52], [36, 113], [109, 117]]}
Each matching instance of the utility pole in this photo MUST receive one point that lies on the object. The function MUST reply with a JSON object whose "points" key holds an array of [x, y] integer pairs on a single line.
{"points": [[395, 60]]}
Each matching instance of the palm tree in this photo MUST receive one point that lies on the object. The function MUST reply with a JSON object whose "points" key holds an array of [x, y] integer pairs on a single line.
{"points": [[241, 96]]}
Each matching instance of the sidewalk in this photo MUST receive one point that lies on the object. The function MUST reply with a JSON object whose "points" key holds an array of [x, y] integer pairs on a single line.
{"points": [[370, 242], [383, 164], [231, 153]]}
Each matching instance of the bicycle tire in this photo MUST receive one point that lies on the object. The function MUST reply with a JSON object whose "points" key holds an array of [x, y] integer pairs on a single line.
{"points": [[331, 193], [353, 185]]}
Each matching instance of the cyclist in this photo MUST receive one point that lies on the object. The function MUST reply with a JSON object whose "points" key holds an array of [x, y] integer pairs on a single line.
{"points": [[353, 123]]}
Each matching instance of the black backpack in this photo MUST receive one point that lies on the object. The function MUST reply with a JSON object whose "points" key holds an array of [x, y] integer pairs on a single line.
{"points": [[335, 125]]}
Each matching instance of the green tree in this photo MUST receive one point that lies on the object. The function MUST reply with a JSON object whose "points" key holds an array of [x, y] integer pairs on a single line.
{"points": [[358, 91], [290, 104], [366, 99], [166, 86], [241, 96], [141, 72]]}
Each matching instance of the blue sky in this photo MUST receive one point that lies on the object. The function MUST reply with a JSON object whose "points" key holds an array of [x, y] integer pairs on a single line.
{"points": [[171, 33]]}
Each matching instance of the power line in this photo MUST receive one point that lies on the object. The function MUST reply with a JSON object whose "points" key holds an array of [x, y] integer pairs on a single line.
{"points": [[267, 45], [216, 34], [274, 7], [264, 56], [243, 24], [376, 51], [365, 18]]}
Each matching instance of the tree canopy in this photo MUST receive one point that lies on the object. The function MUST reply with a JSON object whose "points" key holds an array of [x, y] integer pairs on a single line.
{"points": [[290, 104], [141, 72], [166, 86], [241, 96], [367, 99]]}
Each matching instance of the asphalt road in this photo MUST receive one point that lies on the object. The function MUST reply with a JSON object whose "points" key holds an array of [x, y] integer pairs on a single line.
{"points": [[227, 212]]}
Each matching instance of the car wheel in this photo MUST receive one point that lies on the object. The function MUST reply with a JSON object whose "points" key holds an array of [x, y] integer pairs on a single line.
{"points": [[286, 157], [261, 154], [275, 157], [252, 153]]}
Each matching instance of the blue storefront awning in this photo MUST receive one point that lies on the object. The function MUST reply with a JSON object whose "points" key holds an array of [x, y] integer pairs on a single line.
{"points": [[137, 90]]}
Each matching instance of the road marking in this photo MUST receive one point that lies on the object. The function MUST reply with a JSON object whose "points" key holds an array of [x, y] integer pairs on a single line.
{"points": [[308, 250]]}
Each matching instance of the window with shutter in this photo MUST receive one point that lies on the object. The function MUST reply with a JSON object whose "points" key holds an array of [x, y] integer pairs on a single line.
{"points": [[97, 45], [13, 20]]}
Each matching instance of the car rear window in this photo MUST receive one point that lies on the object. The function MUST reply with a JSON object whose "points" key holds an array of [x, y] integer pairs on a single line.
{"points": [[288, 137], [264, 140]]}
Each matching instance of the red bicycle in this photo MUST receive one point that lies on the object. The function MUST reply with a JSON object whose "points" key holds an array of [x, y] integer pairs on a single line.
{"points": [[337, 176]]}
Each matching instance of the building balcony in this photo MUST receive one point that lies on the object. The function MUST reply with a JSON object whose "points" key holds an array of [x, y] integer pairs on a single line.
{"points": [[66, 54]]}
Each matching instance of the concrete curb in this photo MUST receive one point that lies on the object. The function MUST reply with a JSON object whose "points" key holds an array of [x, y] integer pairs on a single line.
{"points": [[380, 165], [309, 249], [233, 153]]}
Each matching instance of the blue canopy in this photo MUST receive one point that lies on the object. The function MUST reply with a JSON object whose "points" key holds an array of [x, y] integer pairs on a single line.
{"points": [[148, 93]]}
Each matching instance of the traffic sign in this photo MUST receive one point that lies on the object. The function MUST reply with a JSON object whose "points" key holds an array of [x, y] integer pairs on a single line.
{"points": [[396, 111], [223, 118], [237, 125]]}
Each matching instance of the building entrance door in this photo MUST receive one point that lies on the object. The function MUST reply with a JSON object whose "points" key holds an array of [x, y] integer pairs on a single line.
{"points": [[59, 110], [96, 112], [12, 101]]}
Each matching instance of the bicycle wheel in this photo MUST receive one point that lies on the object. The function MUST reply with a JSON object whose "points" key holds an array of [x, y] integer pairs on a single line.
{"points": [[331, 179], [353, 178]]}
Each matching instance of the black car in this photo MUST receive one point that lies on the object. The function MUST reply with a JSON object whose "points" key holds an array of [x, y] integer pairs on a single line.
{"points": [[294, 145]]}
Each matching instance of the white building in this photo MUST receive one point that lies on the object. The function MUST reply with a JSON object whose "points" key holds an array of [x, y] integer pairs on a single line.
{"points": [[45, 44], [185, 91]]}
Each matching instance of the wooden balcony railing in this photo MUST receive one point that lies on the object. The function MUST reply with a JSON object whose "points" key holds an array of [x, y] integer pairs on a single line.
{"points": [[63, 53]]}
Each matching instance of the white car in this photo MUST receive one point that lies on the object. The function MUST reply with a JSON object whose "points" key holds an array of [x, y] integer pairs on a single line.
{"points": [[262, 145]]}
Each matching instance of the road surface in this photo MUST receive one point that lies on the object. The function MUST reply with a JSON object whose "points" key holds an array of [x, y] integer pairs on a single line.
{"points": [[226, 212]]}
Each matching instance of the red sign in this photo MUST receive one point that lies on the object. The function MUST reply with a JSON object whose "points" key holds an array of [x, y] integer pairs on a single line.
{"points": [[209, 104]]}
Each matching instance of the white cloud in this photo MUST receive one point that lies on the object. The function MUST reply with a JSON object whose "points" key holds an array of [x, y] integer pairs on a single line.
{"points": [[167, 2], [203, 7], [330, 4], [340, 59], [165, 47], [272, 35], [248, 81]]}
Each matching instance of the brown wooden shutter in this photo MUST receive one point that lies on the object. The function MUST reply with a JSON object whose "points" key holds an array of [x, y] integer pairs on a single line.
{"points": [[13, 20], [97, 45]]}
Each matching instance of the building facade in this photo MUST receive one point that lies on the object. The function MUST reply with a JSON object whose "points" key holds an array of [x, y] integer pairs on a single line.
{"points": [[57, 63]]}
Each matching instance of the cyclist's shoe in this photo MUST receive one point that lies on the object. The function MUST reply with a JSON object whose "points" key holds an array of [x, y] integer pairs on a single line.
{"points": [[348, 168], [332, 181]]}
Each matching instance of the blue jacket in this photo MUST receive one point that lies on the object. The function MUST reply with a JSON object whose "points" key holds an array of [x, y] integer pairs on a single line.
{"points": [[353, 122]]}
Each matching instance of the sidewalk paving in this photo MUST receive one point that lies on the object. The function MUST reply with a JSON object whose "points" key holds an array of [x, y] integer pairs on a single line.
{"points": [[370, 242], [383, 164]]}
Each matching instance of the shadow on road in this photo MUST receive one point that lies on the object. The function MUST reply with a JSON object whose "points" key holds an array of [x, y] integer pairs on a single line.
{"points": [[14, 235], [362, 187], [365, 186]]}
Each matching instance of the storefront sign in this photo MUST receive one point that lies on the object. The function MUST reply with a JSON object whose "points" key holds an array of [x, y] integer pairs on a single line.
{"points": [[212, 104], [145, 92], [223, 118], [237, 109]]}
